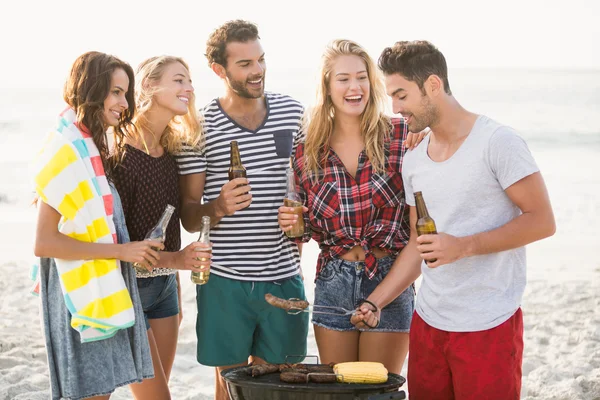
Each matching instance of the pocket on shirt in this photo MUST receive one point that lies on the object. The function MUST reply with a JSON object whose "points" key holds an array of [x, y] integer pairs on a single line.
{"points": [[284, 141], [387, 189], [325, 202]]}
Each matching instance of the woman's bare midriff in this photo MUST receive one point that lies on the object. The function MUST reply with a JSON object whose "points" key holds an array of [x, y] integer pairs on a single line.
{"points": [[358, 254]]}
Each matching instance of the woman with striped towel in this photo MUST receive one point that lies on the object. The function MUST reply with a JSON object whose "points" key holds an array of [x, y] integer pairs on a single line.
{"points": [[92, 315], [147, 181]]}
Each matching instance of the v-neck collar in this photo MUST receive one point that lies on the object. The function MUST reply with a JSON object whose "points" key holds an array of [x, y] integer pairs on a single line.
{"points": [[362, 162], [262, 125]]}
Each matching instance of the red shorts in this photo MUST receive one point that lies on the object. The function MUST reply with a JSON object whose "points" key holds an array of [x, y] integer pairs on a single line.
{"points": [[465, 365]]}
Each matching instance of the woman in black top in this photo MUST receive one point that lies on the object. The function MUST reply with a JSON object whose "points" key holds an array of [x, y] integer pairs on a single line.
{"points": [[147, 180]]}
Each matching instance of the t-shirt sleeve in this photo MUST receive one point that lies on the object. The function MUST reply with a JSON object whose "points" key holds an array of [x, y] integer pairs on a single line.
{"points": [[190, 160], [509, 157], [408, 189]]}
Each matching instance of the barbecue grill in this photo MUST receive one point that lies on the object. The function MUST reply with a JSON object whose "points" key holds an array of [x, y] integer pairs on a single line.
{"points": [[268, 387]]}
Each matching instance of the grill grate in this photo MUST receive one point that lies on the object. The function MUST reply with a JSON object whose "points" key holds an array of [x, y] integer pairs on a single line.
{"points": [[238, 376]]}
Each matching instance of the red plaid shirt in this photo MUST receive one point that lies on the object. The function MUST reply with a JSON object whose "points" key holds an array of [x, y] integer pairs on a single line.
{"points": [[368, 210]]}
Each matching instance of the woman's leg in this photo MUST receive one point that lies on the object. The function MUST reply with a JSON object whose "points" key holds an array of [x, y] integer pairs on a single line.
{"points": [[166, 332], [100, 397], [388, 348], [157, 387], [336, 346]]}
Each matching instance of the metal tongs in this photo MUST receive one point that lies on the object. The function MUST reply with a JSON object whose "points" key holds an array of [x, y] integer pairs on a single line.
{"points": [[331, 310]]}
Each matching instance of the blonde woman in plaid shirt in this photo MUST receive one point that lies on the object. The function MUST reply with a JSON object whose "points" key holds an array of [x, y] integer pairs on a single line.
{"points": [[348, 171]]}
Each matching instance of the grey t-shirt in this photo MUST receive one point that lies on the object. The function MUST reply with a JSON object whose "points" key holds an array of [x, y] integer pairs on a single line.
{"points": [[465, 195]]}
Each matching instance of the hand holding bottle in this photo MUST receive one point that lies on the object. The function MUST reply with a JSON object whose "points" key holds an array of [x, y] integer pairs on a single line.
{"points": [[158, 234], [235, 195], [288, 216], [204, 246], [441, 248], [142, 253], [193, 257]]}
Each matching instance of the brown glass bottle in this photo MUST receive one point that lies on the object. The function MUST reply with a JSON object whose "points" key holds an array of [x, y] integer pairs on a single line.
{"points": [[425, 224], [236, 168]]}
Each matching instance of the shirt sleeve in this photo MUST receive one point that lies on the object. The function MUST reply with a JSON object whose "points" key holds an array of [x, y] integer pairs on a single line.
{"points": [[190, 160], [509, 157]]}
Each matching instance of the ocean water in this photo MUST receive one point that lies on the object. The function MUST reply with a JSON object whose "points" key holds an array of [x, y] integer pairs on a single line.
{"points": [[548, 107]]}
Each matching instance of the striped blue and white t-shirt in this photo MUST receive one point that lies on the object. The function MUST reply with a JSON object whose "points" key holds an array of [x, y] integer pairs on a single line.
{"points": [[249, 245]]}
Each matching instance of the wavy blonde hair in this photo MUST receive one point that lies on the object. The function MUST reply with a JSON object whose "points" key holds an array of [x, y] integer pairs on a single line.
{"points": [[374, 124], [182, 129]]}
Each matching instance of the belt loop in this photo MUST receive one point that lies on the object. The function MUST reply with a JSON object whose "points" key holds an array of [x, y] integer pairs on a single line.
{"points": [[252, 290]]}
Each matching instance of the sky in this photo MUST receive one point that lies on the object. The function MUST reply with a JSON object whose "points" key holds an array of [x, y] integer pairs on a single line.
{"points": [[40, 39]]}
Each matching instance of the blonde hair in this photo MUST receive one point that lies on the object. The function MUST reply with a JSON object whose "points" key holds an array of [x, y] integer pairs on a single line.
{"points": [[375, 125], [182, 129]]}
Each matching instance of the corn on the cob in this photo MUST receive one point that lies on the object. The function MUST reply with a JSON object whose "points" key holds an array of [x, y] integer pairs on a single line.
{"points": [[361, 372]]}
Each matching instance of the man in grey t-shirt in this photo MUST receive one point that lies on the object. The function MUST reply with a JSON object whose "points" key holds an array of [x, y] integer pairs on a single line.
{"points": [[488, 199]]}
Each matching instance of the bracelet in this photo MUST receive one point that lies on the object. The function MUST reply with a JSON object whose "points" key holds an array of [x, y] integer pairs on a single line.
{"points": [[361, 301]]}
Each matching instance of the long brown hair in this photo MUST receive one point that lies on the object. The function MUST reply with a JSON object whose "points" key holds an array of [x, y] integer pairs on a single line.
{"points": [[86, 89], [182, 129], [375, 125]]}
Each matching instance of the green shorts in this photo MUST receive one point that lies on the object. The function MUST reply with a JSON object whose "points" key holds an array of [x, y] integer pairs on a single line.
{"points": [[234, 322]]}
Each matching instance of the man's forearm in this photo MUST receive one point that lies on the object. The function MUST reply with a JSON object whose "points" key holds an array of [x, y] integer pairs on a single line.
{"points": [[525, 229], [192, 213], [406, 269]]}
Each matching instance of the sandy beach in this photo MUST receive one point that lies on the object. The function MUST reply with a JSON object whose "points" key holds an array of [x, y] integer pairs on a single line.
{"points": [[561, 304]]}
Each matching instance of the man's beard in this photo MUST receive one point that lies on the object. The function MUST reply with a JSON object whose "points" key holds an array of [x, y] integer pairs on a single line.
{"points": [[239, 87], [429, 116]]}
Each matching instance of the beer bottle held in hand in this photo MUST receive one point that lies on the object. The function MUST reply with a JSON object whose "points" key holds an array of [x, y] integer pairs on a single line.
{"points": [[425, 224], [236, 168], [292, 199], [200, 278], [158, 233]]}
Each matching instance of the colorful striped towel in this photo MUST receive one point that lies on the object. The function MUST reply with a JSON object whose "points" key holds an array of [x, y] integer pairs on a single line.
{"points": [[69, 177]]}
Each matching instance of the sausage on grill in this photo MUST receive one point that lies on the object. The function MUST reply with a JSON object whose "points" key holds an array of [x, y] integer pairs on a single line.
{"points": [[285, 304], [263, 369]]}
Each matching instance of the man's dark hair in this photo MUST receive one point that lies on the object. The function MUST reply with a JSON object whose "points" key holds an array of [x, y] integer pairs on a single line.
{"points": [[416, 61], [231, 31]]}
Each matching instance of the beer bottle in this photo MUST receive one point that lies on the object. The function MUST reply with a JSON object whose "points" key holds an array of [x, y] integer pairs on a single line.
{"points": [[236, 168], [425, 224], [158, 233], [200, 278], [292, 199]]}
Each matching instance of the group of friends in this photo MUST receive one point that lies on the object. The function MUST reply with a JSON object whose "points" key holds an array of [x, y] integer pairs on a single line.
{"points": [[356, 170]]}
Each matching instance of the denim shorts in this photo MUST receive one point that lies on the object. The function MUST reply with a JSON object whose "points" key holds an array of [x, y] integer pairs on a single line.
{"points": [[343, 283], [159, 297]]}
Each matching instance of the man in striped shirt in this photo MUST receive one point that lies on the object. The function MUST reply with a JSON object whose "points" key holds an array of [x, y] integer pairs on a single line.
{"points": [[251, 255]]}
